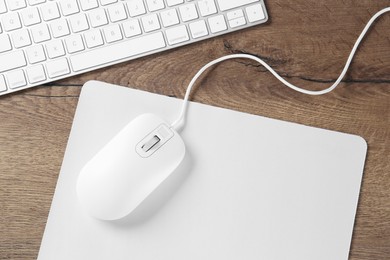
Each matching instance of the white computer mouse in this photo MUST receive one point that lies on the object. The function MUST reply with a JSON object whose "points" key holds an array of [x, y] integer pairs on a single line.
{"points": [[129, 168]]}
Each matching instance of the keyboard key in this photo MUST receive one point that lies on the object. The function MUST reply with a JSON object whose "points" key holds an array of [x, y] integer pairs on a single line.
{"points": [[255, 13], [136, 7], [31, 16], [57, 68], [237, 22], [36, 74], [16, 4], [231, 4], [235, 14], [16, 79], [217, 24], [113, 33], [40, 33], [88, 4], [74, 43], [21, 38], [188, 12], [3, 85], [55, 49], [150, 23], [69, 7], [5, 44], [79, 23], [59, 28], [117, 12], [35, 54], [50, 11], [177, 35], [207, 7], [3, 7], [236, 18], [169, 17], [93, 38], [107, 2], [98, 17], [14, 60], [118, 51], [36, 2], [154, 5], [198, 29], [131, 28], [174, 2], [11, 21]]}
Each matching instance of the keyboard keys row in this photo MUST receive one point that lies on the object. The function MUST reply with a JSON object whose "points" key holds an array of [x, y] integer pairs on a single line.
{"points": [[113, 33], [59, 67], [35, 74], [75, 41], [98, 17], [68, 7], [50, 11], [82, 61]]}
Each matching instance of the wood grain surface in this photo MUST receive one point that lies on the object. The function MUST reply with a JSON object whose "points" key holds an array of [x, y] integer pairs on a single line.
{"points": [[307, 41]]}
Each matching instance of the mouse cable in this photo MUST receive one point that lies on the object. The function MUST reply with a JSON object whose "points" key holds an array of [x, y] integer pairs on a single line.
{"points": [[179, 123]]}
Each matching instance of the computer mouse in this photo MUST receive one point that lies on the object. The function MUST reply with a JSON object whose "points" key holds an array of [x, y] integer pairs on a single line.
{"points": [[129, 167]]}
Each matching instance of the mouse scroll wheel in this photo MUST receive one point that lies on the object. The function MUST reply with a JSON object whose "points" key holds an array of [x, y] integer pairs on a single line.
{"points": [[151, 143]]}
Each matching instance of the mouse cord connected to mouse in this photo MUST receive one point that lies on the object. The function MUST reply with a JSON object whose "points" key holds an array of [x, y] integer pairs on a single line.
{"points": [[179, 123]]}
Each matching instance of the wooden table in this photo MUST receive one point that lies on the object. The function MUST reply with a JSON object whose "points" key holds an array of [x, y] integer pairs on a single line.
{"points": [[307, 41]]}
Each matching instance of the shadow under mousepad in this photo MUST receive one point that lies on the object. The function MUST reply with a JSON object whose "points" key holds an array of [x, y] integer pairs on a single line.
{"points": [[249, 187]]}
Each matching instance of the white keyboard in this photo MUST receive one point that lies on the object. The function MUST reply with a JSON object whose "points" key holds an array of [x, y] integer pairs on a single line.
{"points": [[43, 40]]}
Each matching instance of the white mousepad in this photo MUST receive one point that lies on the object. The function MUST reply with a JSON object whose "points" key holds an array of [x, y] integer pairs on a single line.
{"points": [[250, 187]]}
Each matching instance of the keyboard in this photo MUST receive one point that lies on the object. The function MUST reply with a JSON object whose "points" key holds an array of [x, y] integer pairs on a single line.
{"points": [[43, 41]]}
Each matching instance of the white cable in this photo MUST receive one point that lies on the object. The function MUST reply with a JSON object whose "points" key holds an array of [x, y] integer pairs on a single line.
{"points": [[181, 119]]}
